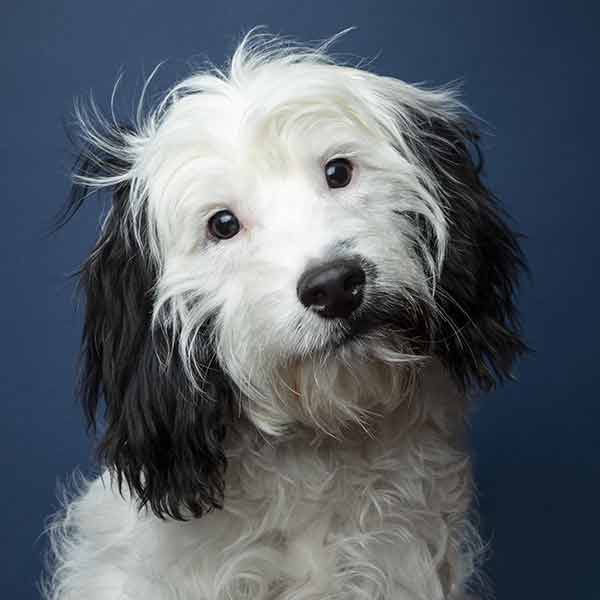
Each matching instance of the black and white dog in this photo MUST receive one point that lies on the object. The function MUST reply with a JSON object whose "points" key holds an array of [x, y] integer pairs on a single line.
{"points": [[300, 281]]}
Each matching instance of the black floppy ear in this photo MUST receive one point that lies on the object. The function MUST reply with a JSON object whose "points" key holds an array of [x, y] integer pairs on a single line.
{"points": [[163, 437], [478, 335]]}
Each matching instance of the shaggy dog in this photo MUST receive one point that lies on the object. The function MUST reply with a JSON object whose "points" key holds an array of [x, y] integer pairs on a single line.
{"points": [[300, 281]]}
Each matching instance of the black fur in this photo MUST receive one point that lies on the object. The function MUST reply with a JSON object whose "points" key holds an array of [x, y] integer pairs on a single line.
{"points": [[162, 437], [477, 335]]}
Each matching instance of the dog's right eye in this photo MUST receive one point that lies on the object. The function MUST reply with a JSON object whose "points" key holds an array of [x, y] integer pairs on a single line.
{"points": [[338, 172], [223, 225]]}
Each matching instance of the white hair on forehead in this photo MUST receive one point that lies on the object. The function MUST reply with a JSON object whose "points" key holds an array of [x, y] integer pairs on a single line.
{"points": [[279, 68]]}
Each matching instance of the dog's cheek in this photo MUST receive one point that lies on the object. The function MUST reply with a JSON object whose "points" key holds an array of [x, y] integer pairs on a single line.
{"points": [[394, 269]]}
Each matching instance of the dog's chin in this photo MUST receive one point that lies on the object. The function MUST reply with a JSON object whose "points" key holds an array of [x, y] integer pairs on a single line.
{"points": [[358, 338], [342, 336]]}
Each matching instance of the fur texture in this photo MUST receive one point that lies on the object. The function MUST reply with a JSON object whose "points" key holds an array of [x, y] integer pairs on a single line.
{"points": [[332, 447]]}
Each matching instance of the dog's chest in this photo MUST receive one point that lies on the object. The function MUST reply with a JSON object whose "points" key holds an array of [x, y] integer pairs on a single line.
{"points": [[310, 522], [380, 520]]}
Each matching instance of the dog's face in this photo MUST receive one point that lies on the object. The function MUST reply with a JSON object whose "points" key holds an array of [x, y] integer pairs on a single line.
{"points": [[273, 230], [282, 212]]}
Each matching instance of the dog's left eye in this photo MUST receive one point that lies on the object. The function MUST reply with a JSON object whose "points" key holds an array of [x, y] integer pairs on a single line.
{"points": [[338, 172], [224, 225]]}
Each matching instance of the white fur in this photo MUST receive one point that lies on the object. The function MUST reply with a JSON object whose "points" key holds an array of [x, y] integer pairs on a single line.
{"points": [[347, 478]]}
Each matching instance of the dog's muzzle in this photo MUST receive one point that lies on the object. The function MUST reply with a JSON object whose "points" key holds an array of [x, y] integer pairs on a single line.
{"points": [[333, 290]]}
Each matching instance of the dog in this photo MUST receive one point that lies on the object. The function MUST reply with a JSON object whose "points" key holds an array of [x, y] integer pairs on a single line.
{"points": [[300, 282]]}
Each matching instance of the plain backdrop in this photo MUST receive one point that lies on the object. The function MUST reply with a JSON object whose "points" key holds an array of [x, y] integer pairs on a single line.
{"points": [[530, 69]]}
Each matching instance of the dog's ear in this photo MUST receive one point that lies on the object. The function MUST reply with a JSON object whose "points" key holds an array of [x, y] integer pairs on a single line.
{"points": [[477, 334], [162, 436]]}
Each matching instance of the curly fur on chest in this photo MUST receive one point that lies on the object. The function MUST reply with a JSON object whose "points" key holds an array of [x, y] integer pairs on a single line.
{"points": [[381, 515]]}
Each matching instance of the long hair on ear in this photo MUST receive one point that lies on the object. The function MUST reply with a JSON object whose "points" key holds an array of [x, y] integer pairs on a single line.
{"points": [[162, 436], [477, 332]]}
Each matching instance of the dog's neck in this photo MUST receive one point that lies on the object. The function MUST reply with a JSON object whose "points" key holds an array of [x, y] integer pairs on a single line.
{"points": [[386, 408], [344, 402]]}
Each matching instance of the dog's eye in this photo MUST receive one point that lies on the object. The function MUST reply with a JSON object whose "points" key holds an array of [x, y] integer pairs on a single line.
{"points": [[223, 225], [338, 172]]}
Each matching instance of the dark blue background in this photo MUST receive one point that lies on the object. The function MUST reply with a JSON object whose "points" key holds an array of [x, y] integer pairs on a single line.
{"points": [[530, 69]]}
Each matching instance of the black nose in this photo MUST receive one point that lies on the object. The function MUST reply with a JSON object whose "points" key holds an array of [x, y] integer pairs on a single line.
{"points": [[333, 290]]}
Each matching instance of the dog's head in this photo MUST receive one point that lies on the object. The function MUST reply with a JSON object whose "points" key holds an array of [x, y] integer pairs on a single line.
{"points": [[272, 229]]}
